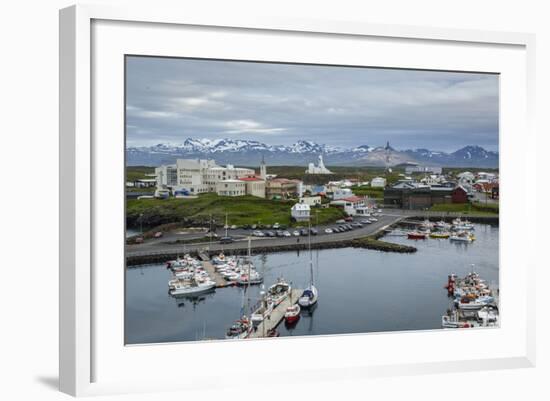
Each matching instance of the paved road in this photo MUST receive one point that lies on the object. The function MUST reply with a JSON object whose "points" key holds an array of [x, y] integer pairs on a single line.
{"points": [[369, 229]]}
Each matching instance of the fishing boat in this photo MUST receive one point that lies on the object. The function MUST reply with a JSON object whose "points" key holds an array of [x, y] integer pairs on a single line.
{"points": [[397, 233], [292, 314], [250, 278], [439, 234], [239, 329], [278, 292], [310, 295], [462, 236], [442, 225], [191, 287], [416, 235], [467, 303]]}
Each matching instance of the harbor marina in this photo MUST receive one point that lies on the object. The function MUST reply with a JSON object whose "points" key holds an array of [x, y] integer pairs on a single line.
{"points": [[361, 291]]}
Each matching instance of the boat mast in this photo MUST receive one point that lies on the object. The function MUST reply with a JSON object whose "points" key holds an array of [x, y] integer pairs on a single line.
{"points": [[310, 257]]}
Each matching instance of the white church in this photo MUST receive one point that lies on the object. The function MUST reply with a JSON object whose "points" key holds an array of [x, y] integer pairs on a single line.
{"points": [[319, 169]]}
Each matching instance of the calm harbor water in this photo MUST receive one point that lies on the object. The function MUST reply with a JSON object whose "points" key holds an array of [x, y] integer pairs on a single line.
{"points": [[359, 291]]}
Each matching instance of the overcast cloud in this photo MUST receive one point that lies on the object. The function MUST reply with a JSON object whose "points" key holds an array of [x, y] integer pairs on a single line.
{"points": [[169, 100]]}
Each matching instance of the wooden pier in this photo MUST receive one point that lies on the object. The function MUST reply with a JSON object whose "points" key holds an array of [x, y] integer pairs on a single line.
{"points": [[277, 315], [211, 270]]}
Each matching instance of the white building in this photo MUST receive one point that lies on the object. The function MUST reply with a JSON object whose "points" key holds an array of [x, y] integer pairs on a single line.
{"points": [[254, 186], [353, 206], [231, 188], [300, 212], [466, 178], [311, 200], [378, 182], [423, 169], [319, 169], [197, 175]]}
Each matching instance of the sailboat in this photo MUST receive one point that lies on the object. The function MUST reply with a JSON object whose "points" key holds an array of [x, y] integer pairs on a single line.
{"points": [[310, 295], [243, 327]]}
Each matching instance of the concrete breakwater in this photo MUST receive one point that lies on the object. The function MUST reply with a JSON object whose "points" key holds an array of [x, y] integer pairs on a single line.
{"points": [[370, 242]]}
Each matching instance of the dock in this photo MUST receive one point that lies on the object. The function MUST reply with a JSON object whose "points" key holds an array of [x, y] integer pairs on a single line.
{"points": [[211, 270], [277, 315]]}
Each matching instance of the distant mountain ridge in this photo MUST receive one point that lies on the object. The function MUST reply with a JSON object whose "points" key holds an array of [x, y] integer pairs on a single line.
{"points": [[250, 152]]}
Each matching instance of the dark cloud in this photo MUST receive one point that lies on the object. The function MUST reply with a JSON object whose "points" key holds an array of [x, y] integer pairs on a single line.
{"points": [[171, 99]]}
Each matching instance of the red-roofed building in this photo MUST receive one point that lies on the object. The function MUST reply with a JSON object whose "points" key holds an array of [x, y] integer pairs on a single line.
{"points": [[352, 205]]}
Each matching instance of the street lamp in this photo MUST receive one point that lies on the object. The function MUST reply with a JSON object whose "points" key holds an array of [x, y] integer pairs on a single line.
{"points": [[141, 223]]}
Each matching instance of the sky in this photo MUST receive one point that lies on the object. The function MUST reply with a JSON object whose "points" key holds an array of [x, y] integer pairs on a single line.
{"points": [[171, 99]]}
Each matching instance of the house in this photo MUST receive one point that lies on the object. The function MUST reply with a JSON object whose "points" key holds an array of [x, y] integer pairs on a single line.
{"points": [[466, 178], [282, 188], [459, 195], [311, 200], [353, 205], [300, 212], [231, 188], [254, 186], [378, 182]]}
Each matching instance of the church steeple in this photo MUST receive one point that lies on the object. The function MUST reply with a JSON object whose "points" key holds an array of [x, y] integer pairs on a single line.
{"points": [[263, 169]]}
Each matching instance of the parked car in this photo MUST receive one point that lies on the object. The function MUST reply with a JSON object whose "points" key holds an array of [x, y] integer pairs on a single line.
{"points": [[279, 233], [253, 226], [328, 230], [139, 240], [233, 227], [287, 234], [366, 221], [296, 233], [343, 228], [314, 231], [258, 234], [270, 233], [276, 226], [341, 221], [158, 234], [357, 225], [373, 219], [379, 210], [303, 232], [226, 240]]}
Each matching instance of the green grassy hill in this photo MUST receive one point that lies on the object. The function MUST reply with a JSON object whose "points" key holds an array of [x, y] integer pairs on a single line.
{"points": [[240, 211]]}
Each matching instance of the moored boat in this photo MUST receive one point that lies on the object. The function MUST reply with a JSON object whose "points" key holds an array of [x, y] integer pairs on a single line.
{"points": [[416, 235], [439, 234], [292, 314]]}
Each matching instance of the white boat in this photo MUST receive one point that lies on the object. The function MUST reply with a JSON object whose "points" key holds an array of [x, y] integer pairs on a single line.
{"points": [[279, 291], [192, 287], [462, 237]]}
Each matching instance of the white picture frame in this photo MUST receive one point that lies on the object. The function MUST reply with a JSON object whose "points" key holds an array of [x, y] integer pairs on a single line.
{"points": [[83, 349]]}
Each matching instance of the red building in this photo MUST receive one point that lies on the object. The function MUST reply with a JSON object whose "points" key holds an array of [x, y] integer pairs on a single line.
{"points": [[459, 195]]}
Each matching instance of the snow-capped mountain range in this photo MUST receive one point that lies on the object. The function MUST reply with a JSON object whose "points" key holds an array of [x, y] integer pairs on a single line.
{"points": [[249, 153]]}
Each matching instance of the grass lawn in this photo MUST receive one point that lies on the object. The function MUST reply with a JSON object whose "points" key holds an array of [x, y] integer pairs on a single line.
{"points": [[240, 211], [489, 209], [377, 193], [138, 172]]}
